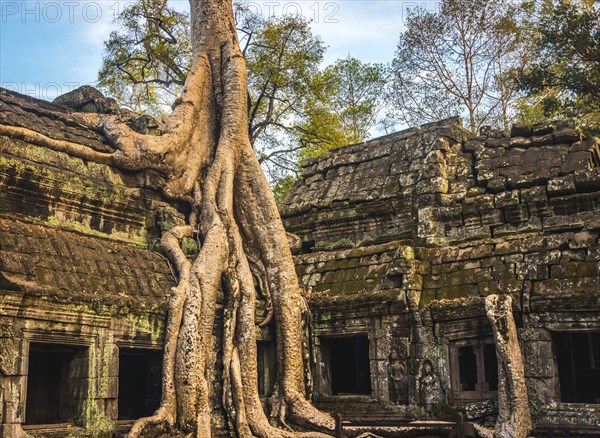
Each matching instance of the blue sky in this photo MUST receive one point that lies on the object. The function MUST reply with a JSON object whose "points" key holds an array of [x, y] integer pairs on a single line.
{"points": [[48, 47]]}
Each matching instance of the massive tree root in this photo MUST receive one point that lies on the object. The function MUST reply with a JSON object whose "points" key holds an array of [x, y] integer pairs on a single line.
{"points": [[514, 416], [207, 161], [210, 163]]}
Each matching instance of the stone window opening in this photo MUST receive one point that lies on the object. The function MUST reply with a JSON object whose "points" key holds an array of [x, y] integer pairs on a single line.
{"points": [[578, 360], [57, 383], [266, 367], [307, 246], [393, 281], [140, 374], [349, 368], [474, 370]]}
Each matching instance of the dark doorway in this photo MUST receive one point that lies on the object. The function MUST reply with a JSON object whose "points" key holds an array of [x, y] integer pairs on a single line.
{"points": [[349, 361], [266, 366], [578, 357], [467, 365], [140, 379], [490, 363], [474, 369], [56, 383]]}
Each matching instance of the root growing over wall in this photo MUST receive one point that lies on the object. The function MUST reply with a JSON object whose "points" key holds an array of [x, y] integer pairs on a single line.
{"points": [[207, 161], [514, 416]]}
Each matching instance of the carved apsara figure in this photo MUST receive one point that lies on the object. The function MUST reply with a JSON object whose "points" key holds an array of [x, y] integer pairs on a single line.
{"points": [[398, 378], [430, 389]]}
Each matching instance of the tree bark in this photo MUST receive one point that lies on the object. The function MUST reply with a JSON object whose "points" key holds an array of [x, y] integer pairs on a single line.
{"points": [[207, 161], [211, 164], [514, 416]]}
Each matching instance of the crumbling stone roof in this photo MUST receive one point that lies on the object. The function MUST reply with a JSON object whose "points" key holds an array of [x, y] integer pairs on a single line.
{"points": [[514, 214], [365, 193], [406, 186], [42, 185], [70, 229], [534, 156], [44, 261], [354, 270]]}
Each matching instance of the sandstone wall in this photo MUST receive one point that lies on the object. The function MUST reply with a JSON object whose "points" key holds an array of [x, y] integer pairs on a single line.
{"points": [[403, 236], [76, 272]]}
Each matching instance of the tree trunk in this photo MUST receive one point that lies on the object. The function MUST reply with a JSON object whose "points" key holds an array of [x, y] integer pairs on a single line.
{"points": [[514, 416], [207, 160], [211, 164]]}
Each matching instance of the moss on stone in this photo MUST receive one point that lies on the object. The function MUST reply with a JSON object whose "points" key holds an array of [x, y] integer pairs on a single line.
{"points": [[98, 425]]}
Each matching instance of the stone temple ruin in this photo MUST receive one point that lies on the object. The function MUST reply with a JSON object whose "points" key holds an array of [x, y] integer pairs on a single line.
{"points": [[398, 241]]}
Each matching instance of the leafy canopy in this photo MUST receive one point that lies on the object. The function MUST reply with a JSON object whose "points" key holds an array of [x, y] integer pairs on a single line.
{"points": [[348, 107], [145, 63], [563, 78]]}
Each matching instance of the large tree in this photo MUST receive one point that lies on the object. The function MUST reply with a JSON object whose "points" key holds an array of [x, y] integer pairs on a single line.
{"points": [[207, 161], [147, 60], [296, 110], [457, 61], [563, 78]]}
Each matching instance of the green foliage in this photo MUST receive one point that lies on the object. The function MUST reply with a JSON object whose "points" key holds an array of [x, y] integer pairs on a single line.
{"points": [[346, 109], [282, 187], [343, 106], [296, 110], [145, 64], [282, 58], [355, 95], [457, 61], [320, 131], [563, 79]]}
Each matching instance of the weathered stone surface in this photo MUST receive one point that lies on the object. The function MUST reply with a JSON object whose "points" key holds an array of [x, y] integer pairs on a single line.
{"points": [[398, 243], [87, 99], [366, 194], [44, 261], [51, 120], [516, 216]]}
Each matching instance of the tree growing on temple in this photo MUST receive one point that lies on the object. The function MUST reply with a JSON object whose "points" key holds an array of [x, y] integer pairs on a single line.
{"points": [[205, 159], [147, 60]]}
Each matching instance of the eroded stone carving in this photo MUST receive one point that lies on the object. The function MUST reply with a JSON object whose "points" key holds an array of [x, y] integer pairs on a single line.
{"points": [[430, 389], [398, 378]]}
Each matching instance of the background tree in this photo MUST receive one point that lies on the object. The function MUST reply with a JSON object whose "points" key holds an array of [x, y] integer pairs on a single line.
{"points": [[341, 111], [563, 79], [295, 110], [457, 61], [346, 109], [284, 79], [146, 62], [355, 96]]}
